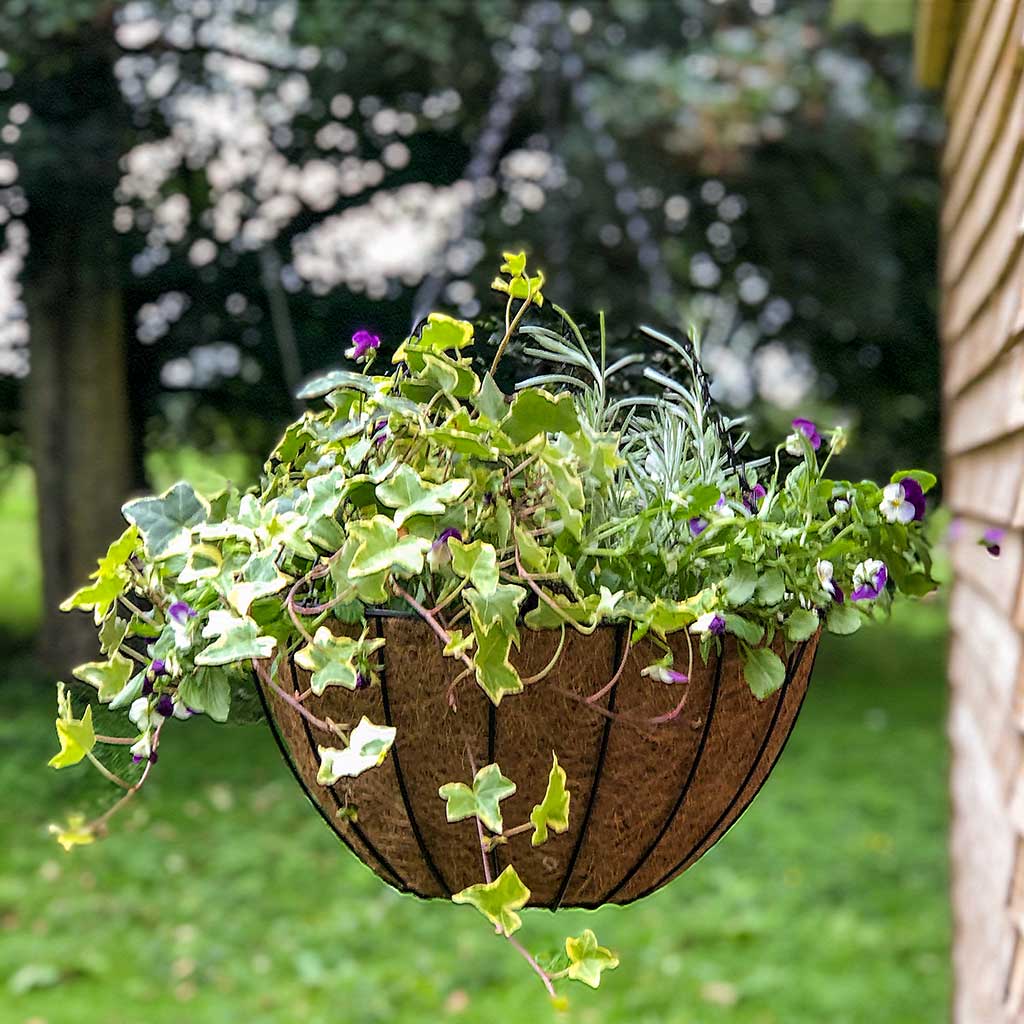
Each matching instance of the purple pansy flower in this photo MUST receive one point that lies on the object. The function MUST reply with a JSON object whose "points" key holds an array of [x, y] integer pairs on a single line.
{"points": [[913, 493], [825, 569], [180, 613], [380, 432], [709, 622], [363, 342], [903, 502], [869, 579], [721, 501], [362, 681], [165, 705], [806, 428], [753, 498], [991, 540], [664, 674], [439, 554], [698, 526]]}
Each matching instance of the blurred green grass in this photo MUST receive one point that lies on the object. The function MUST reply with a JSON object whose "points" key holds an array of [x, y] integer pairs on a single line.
{"points": [[221, 896]]}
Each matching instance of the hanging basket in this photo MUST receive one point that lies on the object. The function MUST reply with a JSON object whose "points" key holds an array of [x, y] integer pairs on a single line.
{"points": [[647, 799]]}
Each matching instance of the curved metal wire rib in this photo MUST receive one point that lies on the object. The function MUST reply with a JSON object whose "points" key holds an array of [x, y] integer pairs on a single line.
{"points": [[403, 790], [620, 641], [683, 793], [701, 845], [398, 882]]}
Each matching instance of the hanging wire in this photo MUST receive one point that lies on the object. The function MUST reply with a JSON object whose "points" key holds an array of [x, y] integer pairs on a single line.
{"points": [[516, 66]]}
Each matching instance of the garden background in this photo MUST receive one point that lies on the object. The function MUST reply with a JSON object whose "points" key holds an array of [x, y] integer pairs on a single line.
{"points": [[200, 202]]}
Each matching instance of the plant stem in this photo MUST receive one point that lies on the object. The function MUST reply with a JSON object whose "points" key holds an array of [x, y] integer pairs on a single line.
{"points": [[511, 329]]}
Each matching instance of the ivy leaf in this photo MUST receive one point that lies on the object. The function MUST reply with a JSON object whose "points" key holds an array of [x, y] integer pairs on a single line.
{"points": [[334, 660], [411, 496], [514, 263], [494, 672], [444, 332], [77, 739], [75, 833], [379, 549], [553, 811], [112, 633], [499, 900], [237, 639], [536, 412], [260, 578], [458, 644], [207, 691], [111, 578], [801, 625], [763, 670], [843, 619], [477, 562], [740, 584], [587, 959], [368, 745], [490, 787], [335, 379], [165, 522], [490, 401], [109, 677]]}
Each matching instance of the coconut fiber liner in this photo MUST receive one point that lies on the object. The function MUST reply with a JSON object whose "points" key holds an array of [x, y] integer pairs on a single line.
{"points": [[646, 800]]}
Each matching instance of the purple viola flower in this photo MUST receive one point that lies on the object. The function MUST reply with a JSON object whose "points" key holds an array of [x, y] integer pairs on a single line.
{"points": [[869, 579], [439, 554], [806, 428], [709, 622], [913, 493], [825, 572], [380, 432], [363, 343], [721, 501], [180, 612], [992, 539], [165, 705], [753, 498], [362, 681], [698, 526], [664, 674]]}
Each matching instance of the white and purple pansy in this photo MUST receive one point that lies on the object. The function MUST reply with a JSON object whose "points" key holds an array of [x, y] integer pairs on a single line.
{"points": [[664, 674], [992, 540], [698, 525], [825, 571], [903, 501], [869, 579], [752, 499], [363, 344], [709, 622], [440, 554], [181, 615], [840, 505], [803, 430]]}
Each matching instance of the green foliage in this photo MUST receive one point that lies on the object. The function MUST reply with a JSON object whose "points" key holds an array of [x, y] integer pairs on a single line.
{"points": [[483, 801], [499, 900], [427, 490], [553, 811]]}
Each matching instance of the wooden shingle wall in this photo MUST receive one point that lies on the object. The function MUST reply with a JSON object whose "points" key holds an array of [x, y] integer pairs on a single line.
{"points": [[983, 392]]}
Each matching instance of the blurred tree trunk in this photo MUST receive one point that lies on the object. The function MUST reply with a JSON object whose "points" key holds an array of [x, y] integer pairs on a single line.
{"points": [[77, 404]]}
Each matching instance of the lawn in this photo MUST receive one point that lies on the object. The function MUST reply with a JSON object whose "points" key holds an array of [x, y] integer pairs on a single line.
{"points": [[222, 897]]}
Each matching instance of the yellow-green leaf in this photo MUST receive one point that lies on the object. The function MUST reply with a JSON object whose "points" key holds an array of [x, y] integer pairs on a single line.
{"points": [[499, 900], [553, 811]]}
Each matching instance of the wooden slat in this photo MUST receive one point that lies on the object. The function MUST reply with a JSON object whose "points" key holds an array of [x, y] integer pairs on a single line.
{"points": [[970, 132], [986, 483], [999, 326], [990, 263], [986, 651], [933, 41], [997, 579], [975, 21], [983, 181], [966, 104], [991, 407]]}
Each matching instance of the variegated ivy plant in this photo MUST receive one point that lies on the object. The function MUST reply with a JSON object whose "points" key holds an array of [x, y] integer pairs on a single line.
{"points": [[568, 504]]}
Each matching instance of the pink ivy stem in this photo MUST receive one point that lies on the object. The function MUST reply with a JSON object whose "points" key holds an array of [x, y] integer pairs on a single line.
{"points": [[618, 674], [541, 973], [125, 741], [442, 634], [318, 723]]}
